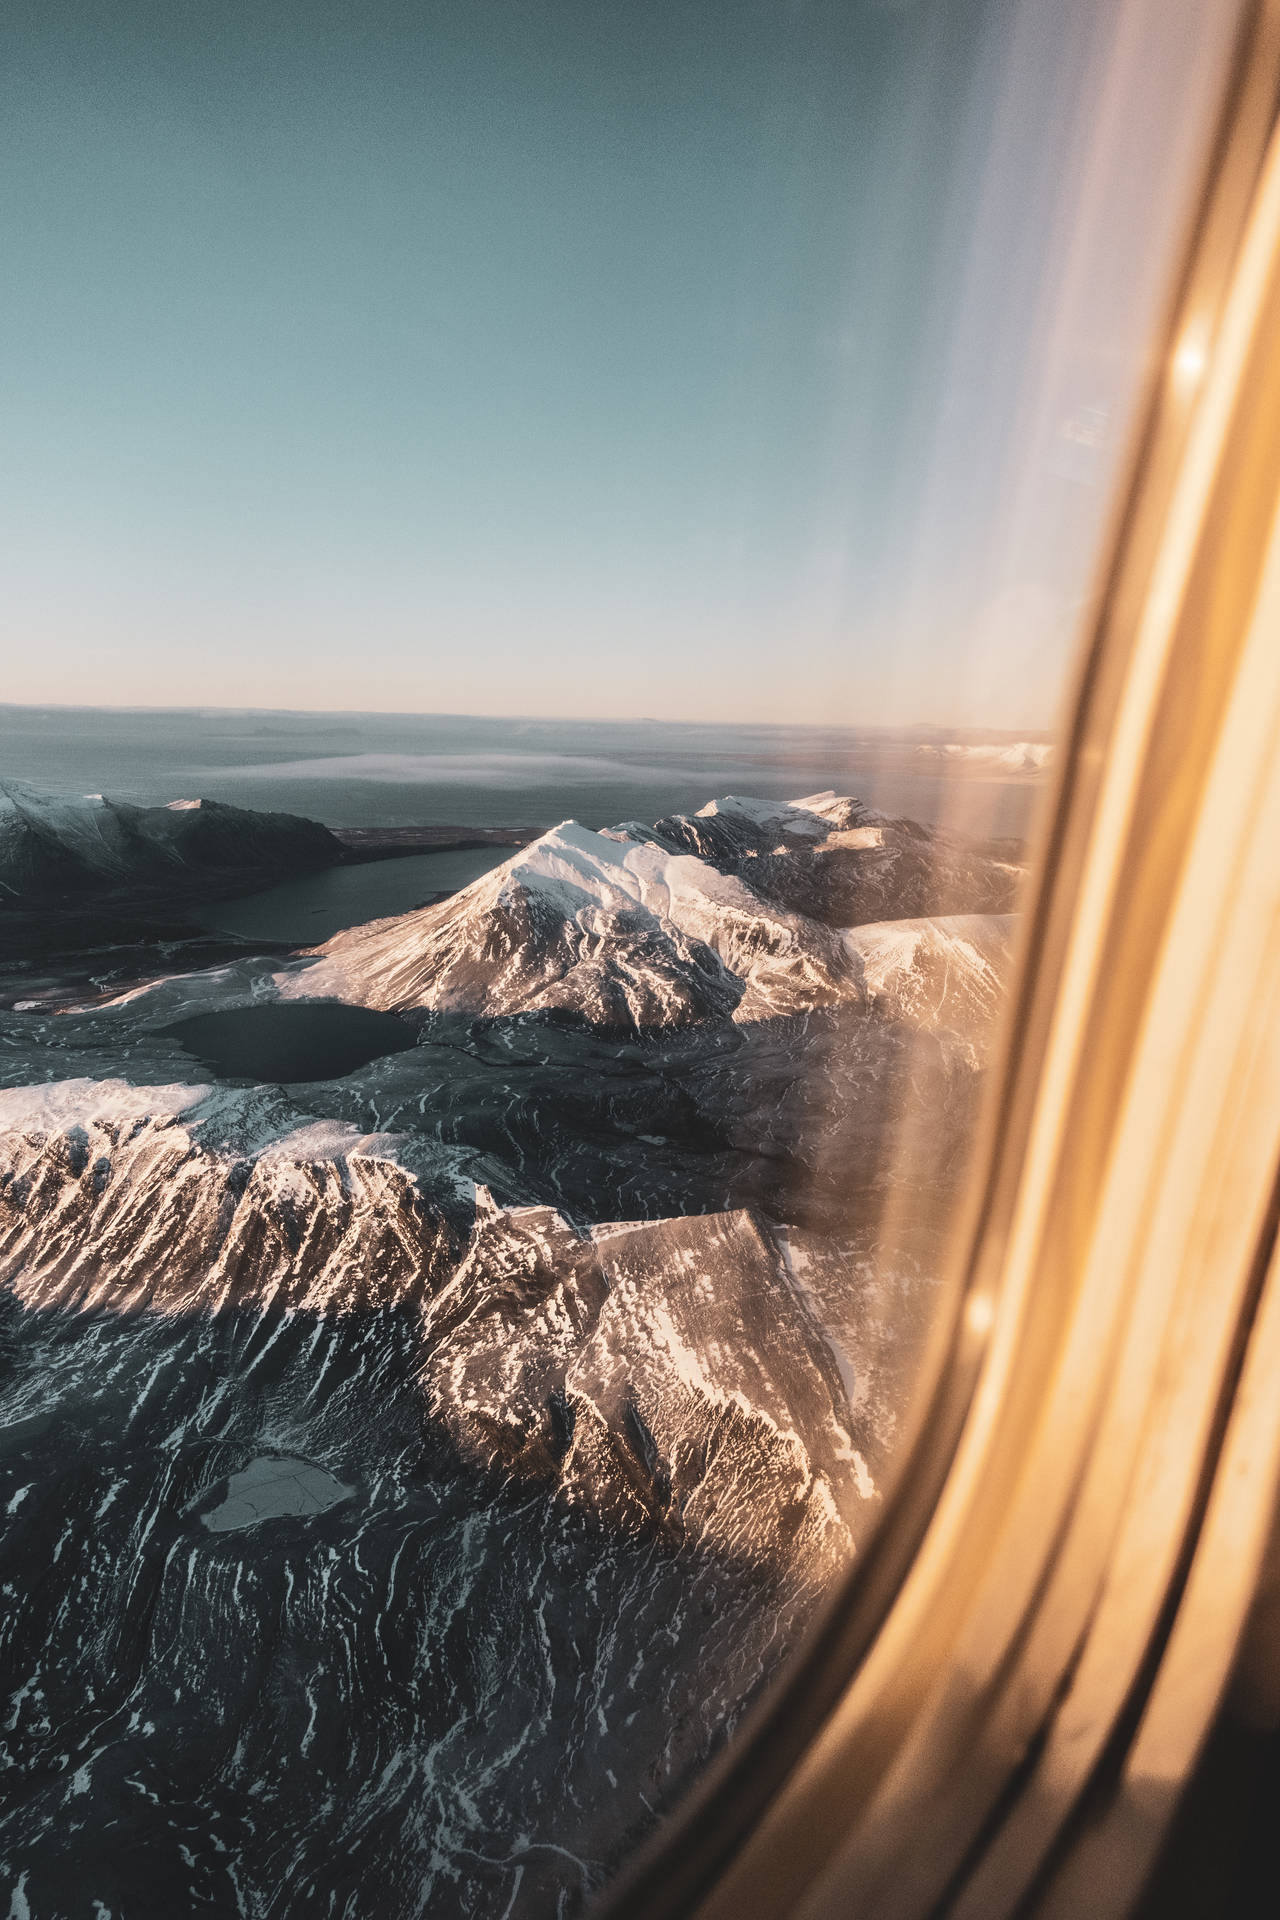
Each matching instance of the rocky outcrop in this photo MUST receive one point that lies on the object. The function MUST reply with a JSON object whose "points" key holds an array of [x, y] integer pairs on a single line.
{"points": [[664, 1376], [833, 860]]}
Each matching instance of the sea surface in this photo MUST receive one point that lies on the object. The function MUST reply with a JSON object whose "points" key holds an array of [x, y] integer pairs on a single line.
{"points": [[307, 910], [388, 770], [369, 769]]}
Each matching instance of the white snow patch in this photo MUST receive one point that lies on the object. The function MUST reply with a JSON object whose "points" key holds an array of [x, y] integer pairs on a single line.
{"points": [[56, 1104], [329, 1140], [792, 816]]}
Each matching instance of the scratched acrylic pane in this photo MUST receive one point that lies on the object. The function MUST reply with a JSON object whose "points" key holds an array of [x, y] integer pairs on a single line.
{"points": [[544, 550]]}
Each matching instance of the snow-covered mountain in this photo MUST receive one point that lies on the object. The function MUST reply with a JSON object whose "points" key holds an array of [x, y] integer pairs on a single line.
{"points": [[832, 859], [736, 911], [664, 1376], [945, 974], [617, 930], [667, 1375], [343, 1522], [57, 844]]}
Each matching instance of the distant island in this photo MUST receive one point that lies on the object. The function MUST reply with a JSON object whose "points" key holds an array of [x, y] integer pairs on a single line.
{"points": [[84, 869]]}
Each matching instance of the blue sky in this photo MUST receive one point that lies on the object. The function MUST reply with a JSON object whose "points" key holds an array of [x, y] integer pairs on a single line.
{"points": [[659, 358]]}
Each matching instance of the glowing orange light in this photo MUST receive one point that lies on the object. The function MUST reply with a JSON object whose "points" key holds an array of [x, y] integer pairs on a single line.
{"points": [[979, 1313], [1189, 361]]}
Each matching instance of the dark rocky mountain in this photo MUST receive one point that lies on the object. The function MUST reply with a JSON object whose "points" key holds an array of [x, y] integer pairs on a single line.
{"points": [[840, 862], [663, 1375], [58, 844], [409, 1477]]}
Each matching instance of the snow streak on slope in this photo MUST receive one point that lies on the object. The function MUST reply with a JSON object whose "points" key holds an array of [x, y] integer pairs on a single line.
{"points": [[115, 1197]]}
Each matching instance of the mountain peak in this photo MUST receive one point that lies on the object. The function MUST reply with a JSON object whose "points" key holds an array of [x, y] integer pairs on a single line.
{"points": [[623, 931]]}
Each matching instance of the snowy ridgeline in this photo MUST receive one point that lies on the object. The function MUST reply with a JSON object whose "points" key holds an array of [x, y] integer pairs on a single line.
{"points": [[420, 1470], [672, 1375], [54, 845], [749, 910]]}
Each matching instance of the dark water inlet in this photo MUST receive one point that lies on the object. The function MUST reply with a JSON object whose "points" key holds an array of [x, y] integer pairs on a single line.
{"points": [[310, 908], [286, 1041]]}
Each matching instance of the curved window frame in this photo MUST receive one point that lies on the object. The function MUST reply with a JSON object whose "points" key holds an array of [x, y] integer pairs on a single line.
{"points": [[999, 1710]]}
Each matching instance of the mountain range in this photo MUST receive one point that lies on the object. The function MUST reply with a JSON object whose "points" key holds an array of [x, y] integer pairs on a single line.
{"points": [[412, 1473]]}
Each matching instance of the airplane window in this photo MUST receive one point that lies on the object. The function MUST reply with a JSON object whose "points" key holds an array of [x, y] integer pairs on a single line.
{"points": [[549, 550]]}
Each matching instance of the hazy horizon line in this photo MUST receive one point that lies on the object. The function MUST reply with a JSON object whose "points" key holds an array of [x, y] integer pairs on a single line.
{"points": [[952, 728]]}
